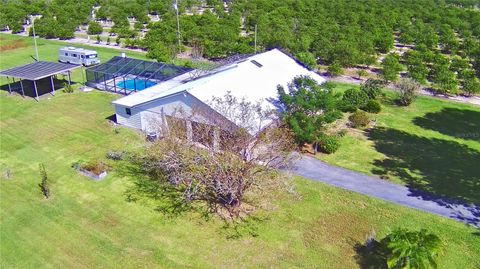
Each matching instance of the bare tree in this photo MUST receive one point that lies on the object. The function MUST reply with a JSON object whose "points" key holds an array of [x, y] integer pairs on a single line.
{"points": [[407, 91], [216, 164]]}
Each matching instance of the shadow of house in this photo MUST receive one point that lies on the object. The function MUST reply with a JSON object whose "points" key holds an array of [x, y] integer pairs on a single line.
{"points": [[43, 86], [459, 123], [434, 169], [112, 118]]}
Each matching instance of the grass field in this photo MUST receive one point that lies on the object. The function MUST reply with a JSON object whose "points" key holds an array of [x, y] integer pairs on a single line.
{"points": [[432, 145], [48, 51], [87, 224]]}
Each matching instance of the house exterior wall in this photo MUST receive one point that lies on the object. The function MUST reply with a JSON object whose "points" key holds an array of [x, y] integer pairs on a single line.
{"points": [[149, 116], [153, 113], [133, 121]]}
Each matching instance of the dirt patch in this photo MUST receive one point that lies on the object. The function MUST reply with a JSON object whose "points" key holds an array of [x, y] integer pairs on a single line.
{"points": [[14, 44]]}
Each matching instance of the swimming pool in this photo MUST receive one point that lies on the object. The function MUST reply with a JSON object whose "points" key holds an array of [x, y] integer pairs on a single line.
{"points": [[135, 84]]}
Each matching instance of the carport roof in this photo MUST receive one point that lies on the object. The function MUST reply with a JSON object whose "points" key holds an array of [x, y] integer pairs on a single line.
{"points": [[37, 70]]}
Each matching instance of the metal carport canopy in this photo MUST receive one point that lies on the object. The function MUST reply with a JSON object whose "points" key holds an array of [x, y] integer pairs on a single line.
{"points": [[37, 70]]}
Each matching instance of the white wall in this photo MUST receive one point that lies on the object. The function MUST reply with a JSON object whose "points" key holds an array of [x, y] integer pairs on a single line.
{"points": [[133, 121], [148, 116]]}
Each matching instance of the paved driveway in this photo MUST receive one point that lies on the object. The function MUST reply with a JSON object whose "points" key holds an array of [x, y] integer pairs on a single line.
{"points": [[311, 168]]}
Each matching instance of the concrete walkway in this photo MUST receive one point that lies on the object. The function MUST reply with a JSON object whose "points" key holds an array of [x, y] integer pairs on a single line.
{"points": [[311, 168]]}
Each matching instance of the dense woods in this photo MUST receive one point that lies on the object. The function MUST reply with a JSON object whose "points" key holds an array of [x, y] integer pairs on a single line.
{"points": [[441, 37]]}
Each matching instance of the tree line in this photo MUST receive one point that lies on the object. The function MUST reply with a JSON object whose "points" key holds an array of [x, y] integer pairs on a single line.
{"points": [[443, 35]]}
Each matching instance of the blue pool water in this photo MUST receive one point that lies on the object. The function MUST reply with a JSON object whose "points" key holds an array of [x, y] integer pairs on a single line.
{"points": [[137, 84]]}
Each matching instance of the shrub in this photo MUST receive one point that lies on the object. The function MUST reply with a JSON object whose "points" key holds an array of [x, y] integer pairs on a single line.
{"points": [[471, 87], [372, 88], [67, 88], [307, 108], [353, 99], [94, 28], [115, 155], [44, 185], [328, 144], [359, 119], [373, 106], [335, 69], [328, 85], [407, 90], [391, 67], [342, 133], [361, 73], [412, 249], [308, 59]]}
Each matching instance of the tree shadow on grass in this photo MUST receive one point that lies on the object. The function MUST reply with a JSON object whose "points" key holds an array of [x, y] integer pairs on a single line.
{"points": [[154, 191], [459, 123], [150, 190], [371, 256], [434, 169]]}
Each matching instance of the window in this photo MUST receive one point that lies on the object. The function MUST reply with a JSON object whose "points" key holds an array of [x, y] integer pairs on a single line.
{"points": [[128, 111], [74, 55], [91, 56], [81, 56], [66, 53]]}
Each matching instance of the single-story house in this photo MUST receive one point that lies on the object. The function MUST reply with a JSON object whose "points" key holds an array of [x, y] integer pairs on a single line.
{"points": [[253, 79]]}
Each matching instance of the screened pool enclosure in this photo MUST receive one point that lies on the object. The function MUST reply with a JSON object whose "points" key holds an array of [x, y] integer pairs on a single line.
{"points": [[127, 75]]}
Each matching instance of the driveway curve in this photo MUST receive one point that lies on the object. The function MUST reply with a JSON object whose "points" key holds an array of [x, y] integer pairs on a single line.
{"points": [[313, 169]]}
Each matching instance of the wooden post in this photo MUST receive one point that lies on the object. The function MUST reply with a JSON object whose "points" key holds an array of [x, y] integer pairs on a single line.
{"points": [[189, 130], [21, 86], [216, 139], [69, 79], [53, 86], [35, 87]]}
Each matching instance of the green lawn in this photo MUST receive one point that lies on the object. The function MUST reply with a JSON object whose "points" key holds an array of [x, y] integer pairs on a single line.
{"points": [[433, 145], [48, 51], [90, 224]]}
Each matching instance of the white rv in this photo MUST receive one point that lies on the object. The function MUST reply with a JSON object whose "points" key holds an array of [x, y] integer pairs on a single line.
{"points": [[74, 55]]}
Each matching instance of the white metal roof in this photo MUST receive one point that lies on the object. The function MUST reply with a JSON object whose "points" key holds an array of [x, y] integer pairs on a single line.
{"points": [[254, 81], [86, 51], [255, 78]]}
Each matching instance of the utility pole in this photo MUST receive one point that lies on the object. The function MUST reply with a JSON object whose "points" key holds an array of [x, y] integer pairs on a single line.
{"points": [[34, 37], [175, 5], [255, 38]]}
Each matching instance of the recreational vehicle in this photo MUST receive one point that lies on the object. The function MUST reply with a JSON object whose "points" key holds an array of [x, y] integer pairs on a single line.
{"points": [[74, 55]]}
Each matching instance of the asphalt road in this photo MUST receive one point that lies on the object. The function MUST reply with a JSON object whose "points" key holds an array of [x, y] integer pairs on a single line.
{"points": [[313, 169]]}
